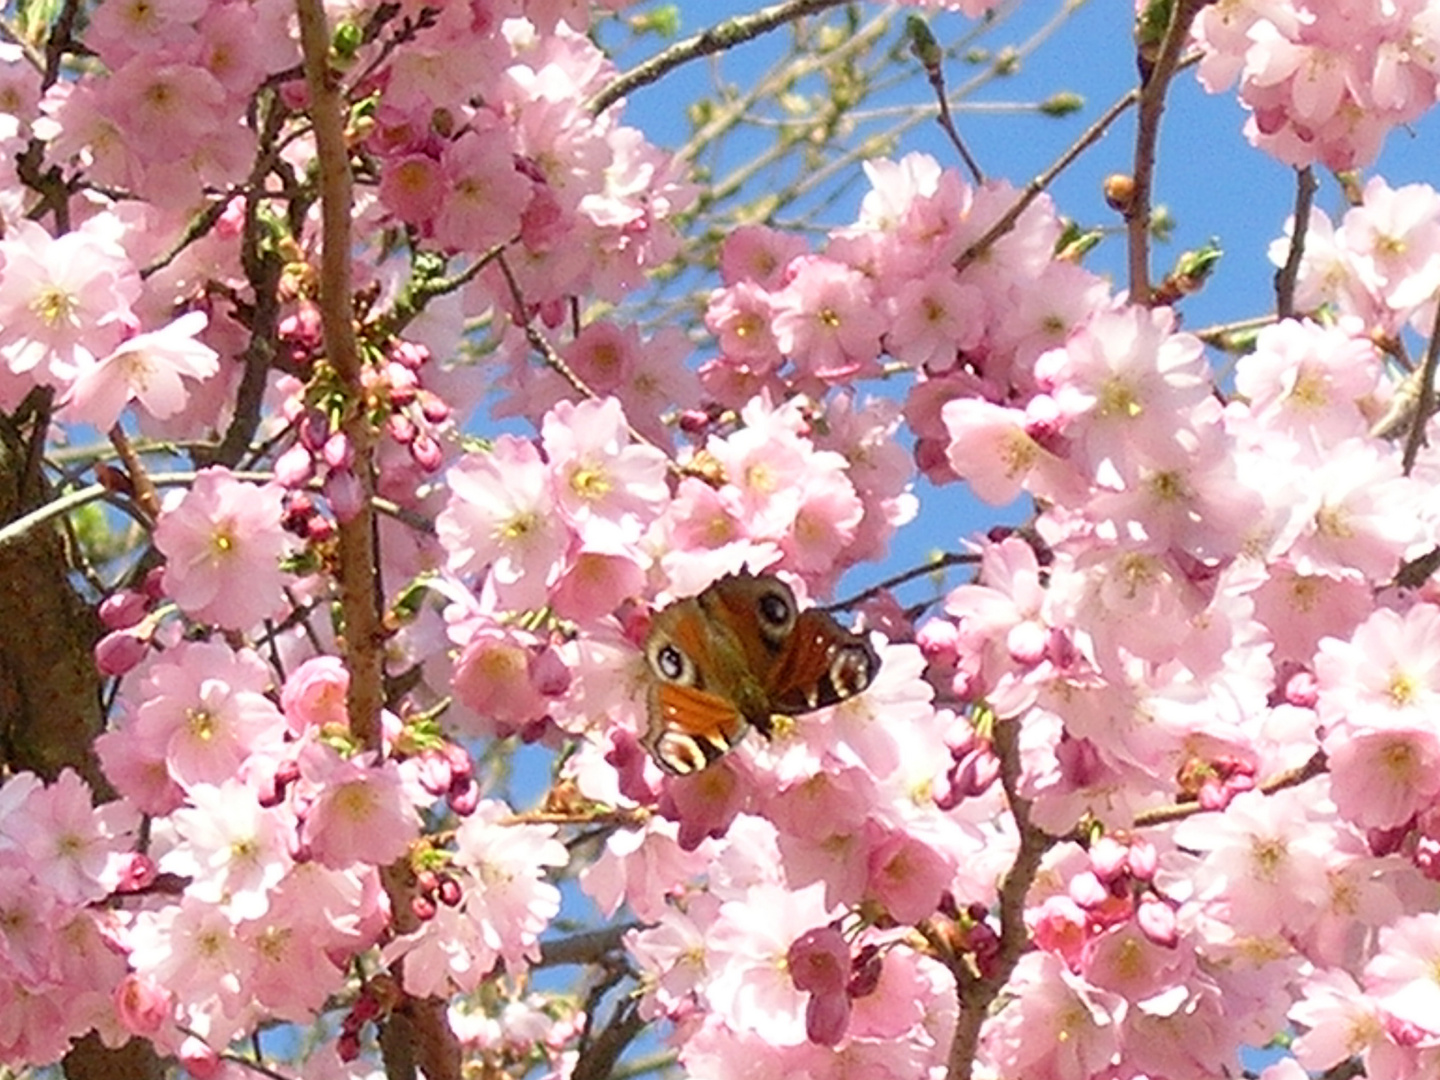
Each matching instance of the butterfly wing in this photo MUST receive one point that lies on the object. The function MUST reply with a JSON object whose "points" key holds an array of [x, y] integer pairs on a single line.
{"points": [[690, 729], [820, 663], [697, 677]]}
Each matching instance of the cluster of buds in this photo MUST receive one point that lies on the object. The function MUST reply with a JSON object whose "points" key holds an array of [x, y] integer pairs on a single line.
{"points": [[398, 403], [1214, 782], [130, 619], [1120, 885], [821, 964]]}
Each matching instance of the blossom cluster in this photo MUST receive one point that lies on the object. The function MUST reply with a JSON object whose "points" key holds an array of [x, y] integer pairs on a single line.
{"points": [[1324, 81]]}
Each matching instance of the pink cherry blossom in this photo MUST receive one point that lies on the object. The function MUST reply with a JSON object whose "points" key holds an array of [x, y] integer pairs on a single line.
{"points": [[362, 812], [146, 368], [223, 542], [64, 301]]}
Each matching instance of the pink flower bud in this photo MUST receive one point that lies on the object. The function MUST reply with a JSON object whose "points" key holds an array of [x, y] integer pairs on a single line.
{"points": [[338, 451], [449, 892], [819, 961], [410, 354], [1143, 859], [401, 428], [141, 1006], [1108, 858], [458, 758], [199, 1060], [1302, 689], [1087, 890], [427, 452], [313, 430], [464, 798], [433, 407], [423, 907], [120, 651], [295, 467], [975, 772], [427, 881], [123, 609], [1156, 920], [136, 871], [827, 1018], [346, 496], [403, 383], [1027, 642], [939, 641]]}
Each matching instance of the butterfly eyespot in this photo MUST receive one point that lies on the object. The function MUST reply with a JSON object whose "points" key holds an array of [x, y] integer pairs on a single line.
{"points": [[776, 611], [671, 664]]}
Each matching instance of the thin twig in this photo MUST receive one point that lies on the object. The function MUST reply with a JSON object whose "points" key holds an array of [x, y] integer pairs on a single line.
{"points": [[940, 562], [716, 39], [146, 496], [1163, 815], [1147, 136], [1425, 399], [1287, 276], [1036, 187]]}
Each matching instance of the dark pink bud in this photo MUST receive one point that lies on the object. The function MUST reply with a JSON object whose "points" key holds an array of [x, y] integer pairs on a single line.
{"points": [[136, 872], [449, 892], [975, 772], [819, 961], [410, 354], [319, 529], [827, 1018], [122, 609], [1388, 841], [423, 907], [865, 972], [458, 758], [120, 651], [314, 429], [433, 407], [427, 881], [427, 452], [401, 428], [464, 799]]}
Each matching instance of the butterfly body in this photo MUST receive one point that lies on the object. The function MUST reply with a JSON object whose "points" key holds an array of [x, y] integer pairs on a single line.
{"points": [[735, 656]]}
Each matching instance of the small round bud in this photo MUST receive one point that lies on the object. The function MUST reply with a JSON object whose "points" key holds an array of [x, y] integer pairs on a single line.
{"points": [[1119, 191]]}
